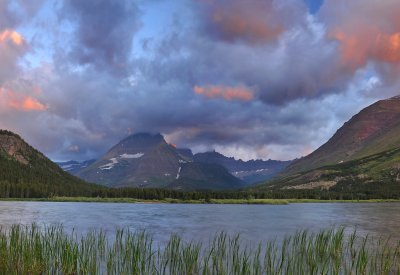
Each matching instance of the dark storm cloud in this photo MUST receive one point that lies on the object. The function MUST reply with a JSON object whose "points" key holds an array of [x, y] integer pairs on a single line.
{"points": [[104, 32], [283, 72], [251, 78], [299, 62]]}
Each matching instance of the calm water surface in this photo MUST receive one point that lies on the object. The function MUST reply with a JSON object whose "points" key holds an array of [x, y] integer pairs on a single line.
{"points": [[199, 222]]}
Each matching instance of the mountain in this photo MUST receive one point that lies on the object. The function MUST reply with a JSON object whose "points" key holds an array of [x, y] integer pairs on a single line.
{"points": [[374, 176], [204, 176], [185, 153], [251, 171], [25, 172], [74, 167], [148, 161], [363, 155], [373, 130]]}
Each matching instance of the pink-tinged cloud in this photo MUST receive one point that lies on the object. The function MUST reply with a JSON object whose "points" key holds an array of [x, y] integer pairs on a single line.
{"points": [[252, 21], [357, 50], [21, 102], [12, 47], [367, 30], [234, 24], [13, 36], [227, 93]]}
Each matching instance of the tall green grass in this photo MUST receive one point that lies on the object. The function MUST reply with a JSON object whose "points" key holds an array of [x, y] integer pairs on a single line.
{"points": [[34, 250]]}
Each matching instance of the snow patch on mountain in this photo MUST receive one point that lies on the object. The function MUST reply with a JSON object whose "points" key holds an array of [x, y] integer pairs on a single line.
{"points": [[132, 156], [179, 173], [115, 161], [110, 165], [237, 173], [69, 167]]}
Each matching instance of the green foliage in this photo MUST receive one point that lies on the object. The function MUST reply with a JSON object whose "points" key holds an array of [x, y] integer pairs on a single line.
{"points": [[373, 177], [36, 176], [9, 133], [373, 130], [32, 250], [39, 178]]}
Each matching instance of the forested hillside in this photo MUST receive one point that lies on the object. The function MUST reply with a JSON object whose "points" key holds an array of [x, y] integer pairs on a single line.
{"points": [[25, 172]]}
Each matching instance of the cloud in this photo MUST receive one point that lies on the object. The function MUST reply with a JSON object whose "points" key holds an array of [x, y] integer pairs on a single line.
{"points": [[104, 32], [374, 46], [7, 17], [27, 104], [277, 77], [20, 102], [254, 79], [12, 48], [73, 148], [251, 21], [227, 93], [367, 31], [10, 35], [14, 12]]}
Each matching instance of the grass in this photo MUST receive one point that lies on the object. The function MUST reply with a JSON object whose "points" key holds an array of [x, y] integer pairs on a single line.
{"points": [[372, 174], [341, 201], [211, 201], [248, 201], [50, 250]]}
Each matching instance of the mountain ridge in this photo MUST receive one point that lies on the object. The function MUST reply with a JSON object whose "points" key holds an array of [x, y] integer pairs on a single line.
{"points": [[363, 155], [251, 171], [147, 161], [26, 172], [374, 129]]}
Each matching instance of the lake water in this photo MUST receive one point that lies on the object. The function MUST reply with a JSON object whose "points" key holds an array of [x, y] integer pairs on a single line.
{"points": [[200, 222]]}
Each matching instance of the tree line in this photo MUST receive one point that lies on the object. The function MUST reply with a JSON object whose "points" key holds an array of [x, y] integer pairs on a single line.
{"points": [[44, 179]]}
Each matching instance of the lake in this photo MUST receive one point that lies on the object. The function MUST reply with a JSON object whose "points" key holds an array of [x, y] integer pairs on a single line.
{"points": [[201, 221]]}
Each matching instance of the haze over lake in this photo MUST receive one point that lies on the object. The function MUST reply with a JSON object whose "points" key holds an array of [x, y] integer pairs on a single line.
{"points": [[201, 221]]}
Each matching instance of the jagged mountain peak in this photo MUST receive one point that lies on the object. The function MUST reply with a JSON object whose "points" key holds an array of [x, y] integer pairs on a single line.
{"points": [[136, 144]]}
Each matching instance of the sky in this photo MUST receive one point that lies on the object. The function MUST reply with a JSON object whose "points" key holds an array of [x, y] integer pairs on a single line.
{"points": [[254, 79]]}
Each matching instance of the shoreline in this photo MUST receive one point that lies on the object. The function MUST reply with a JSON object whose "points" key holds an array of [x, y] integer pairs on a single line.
{"points": [[211, 201]]}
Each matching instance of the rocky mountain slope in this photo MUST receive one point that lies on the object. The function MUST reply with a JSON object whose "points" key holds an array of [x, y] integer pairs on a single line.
{"points": [[374, 176], [148, 161], [363, 155], [204, 176], [373, 130], [25, 172]]}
